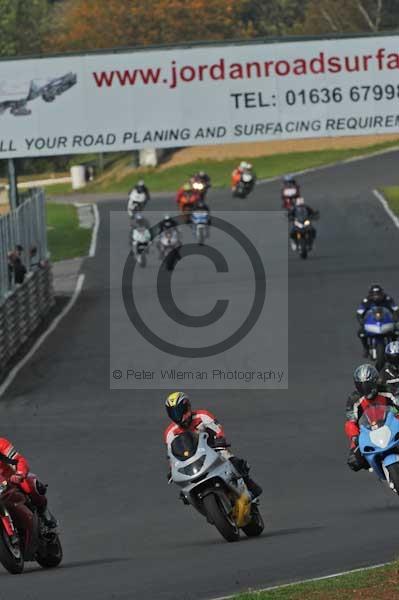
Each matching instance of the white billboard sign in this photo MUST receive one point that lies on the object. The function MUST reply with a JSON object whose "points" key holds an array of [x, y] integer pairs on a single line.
{"points": [[200, 95]]}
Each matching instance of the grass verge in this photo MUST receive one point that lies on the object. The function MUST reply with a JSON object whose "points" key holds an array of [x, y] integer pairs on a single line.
{"points": [[391, 195], [169, 179], [368, 584], [65, 238]]}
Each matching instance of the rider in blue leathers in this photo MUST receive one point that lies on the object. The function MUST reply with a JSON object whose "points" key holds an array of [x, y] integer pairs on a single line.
{"points": [[376, 297]]}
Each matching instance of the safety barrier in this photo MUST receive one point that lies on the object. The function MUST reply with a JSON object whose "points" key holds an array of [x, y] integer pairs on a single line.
{"points": [[23, 307], [23, 311], [25, 226]]}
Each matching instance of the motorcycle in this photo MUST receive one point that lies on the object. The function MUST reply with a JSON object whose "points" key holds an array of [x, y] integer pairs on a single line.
{"points": [[188, 201], [245, 185], [137, 202], [168, 245], [200, 223], [22, 536], [211, 484], [379, 442], [141, 239], [201, 186], [289, 194], [379, 329], [302, 234]]}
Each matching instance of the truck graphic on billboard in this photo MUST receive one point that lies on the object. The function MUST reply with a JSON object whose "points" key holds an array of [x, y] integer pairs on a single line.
{"points": [[15, 95]]}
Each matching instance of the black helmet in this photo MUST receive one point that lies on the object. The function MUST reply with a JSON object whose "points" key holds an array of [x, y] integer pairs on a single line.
{"points": [[178, 407], [392, 353], [140, 187], [365, 378], [376, 294]]}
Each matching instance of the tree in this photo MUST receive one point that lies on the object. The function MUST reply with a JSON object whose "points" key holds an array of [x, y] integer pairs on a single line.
{"points": [[274, 17], [94, 24], [346, 16], [22, 26]]}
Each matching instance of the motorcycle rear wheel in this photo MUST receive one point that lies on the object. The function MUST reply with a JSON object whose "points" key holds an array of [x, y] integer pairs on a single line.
{"points": [[13, 564], [256, 524], [223, 523], [53, 555]]}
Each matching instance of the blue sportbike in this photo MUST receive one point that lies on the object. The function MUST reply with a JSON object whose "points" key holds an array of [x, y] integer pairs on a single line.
{"points": [[379, 329], [379, 442]]}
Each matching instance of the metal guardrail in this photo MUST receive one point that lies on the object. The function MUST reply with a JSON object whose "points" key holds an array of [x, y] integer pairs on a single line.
{"points": [[25, 226], [23, 311]]}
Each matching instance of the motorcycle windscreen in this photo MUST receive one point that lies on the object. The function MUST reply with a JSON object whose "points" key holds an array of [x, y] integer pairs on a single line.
{"points": [[374, 416], [381, 314], [185, 445]]}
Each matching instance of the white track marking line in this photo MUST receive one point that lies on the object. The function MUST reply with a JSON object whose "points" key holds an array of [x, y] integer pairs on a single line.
{"points": [[334, 164], [386, 207], [286, 585], [94, 235], [12, 374]]}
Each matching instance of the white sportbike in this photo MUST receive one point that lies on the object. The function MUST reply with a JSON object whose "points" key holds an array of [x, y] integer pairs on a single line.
{"points": [[210, 483]]}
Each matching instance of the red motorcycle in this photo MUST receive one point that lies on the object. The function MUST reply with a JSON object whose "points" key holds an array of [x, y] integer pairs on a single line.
{"points": [[22, 536], [187, 203]]}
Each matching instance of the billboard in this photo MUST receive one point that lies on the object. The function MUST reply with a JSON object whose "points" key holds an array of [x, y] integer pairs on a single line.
{"points": [[199, 95]]}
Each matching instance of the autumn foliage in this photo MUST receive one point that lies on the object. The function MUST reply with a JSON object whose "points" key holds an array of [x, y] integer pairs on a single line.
{"points": [[94, 24]]}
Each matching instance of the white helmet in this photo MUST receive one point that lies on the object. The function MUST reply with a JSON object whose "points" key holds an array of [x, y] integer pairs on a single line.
{"points": [[243, 165]]}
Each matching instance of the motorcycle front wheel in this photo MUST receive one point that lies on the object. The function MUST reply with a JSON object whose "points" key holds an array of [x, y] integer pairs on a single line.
{"points": [[303, 250], [223, 522], [10, 555], [51, 556]]}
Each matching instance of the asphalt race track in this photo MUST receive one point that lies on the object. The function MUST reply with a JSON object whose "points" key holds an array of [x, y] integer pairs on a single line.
{"points": [[125, 534]]}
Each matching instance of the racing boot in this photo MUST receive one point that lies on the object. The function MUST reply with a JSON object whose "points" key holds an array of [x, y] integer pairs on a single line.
{"points": [[254, 489]]}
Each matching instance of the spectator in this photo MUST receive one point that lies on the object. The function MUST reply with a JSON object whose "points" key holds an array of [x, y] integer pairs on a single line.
{"points": [[19, 270], [10, 258], [34, 261]]}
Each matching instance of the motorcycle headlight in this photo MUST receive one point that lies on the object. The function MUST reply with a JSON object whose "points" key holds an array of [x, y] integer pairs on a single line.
{"points": [[194, 468], [307, 222]]}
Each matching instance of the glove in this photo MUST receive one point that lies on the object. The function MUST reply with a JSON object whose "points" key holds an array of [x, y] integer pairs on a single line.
{"points": [[17, 478]]}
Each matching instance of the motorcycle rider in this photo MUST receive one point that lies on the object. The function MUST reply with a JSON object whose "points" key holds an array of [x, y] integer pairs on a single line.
{"points": [[376, 296], [366, 382], [389, 375], [203, 178], [139, 188], [302, 211], [142, 226], [201, 205], [289, 183], [14, 468], [167, 222], [243, 167], [178, 408]]}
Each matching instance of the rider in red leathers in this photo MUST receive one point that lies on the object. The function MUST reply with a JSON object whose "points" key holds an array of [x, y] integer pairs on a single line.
{"points": [[14, 468], [178, 407]]}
